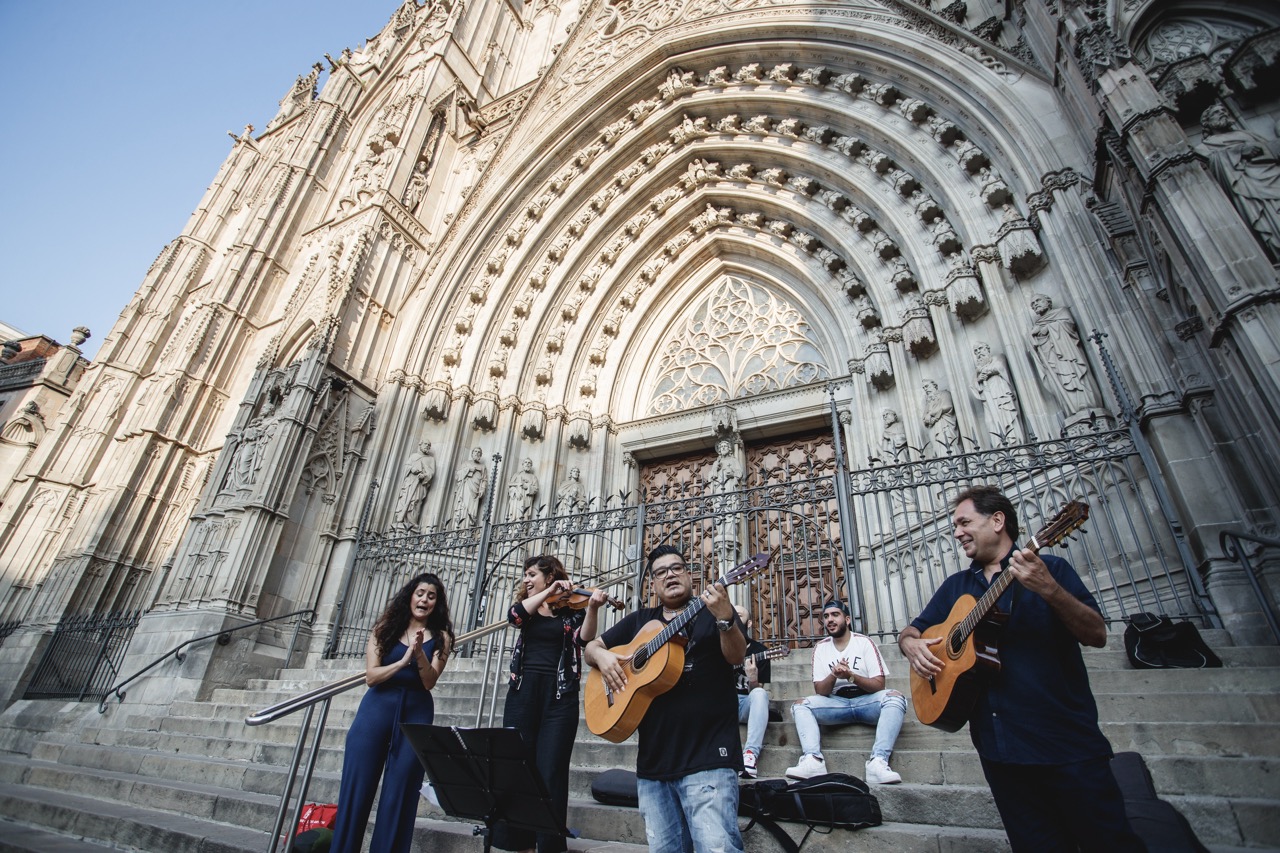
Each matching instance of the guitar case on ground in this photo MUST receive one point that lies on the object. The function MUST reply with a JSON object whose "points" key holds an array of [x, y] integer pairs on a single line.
{"points": [[823, 803], [1161, 827], [615, 788], [1157, 642]]}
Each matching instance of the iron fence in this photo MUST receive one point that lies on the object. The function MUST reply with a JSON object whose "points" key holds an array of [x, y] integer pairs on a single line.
{"points": [[7, 628], [897, 516], [83, 656]]}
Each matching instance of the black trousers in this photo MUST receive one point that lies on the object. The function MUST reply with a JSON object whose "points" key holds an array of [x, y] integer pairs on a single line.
{"points": [[549, 726], [1061, 808]]}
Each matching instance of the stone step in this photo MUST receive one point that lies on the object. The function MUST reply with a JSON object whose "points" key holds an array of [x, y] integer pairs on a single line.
{"points": [[19, 838]]}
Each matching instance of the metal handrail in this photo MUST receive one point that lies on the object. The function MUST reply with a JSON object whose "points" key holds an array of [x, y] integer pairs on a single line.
{"points": [[1230, 542], [334, 688], [323, 696], [224, 637]]}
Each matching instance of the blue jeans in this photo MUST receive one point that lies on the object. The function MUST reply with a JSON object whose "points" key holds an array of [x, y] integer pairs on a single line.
{"points": [[697, 813], [884, 710], [753, 709]]}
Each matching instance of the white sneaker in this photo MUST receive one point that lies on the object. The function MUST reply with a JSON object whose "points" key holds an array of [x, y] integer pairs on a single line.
{"points": [[809, 766], [880, 773], [748, 764]]}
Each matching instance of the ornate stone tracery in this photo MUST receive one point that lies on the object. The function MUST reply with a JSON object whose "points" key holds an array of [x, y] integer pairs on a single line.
{"points": [[739, 341]]}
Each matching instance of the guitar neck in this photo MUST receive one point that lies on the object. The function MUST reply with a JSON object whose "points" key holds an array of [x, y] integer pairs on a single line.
{"points": [[674, 626], [988, 601]]}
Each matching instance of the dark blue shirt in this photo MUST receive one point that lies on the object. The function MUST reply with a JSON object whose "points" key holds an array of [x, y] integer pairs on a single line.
{"points": [[1039, 709]]}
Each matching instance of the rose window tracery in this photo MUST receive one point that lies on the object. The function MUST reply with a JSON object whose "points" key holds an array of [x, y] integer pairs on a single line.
{"points": [[741, 341]]}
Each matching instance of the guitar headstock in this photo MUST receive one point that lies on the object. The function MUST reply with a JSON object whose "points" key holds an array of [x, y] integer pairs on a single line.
{"points": [[1069, 519], [750, 568], [776, 652]]}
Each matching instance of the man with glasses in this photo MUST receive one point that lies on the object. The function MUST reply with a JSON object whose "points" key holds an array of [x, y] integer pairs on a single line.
{"points": [[689, 754]]}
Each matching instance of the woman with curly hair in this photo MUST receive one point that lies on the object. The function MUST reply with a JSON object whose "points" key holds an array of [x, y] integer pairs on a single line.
{"points": [[542, 694], [407, 650]]}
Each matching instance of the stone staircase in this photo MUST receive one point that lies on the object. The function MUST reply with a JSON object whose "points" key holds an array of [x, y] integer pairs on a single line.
{"points": [[192, 777]]}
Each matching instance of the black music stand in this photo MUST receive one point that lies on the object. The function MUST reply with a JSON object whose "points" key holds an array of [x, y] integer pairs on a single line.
{"points": [[485, 775]]}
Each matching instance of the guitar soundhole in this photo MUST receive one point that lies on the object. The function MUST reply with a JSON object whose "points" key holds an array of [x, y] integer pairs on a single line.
{"points": [[955, 644], [639, 660]]}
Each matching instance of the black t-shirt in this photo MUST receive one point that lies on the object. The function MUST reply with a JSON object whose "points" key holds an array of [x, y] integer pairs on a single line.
{"points": [[543, 640], [694, 725]]}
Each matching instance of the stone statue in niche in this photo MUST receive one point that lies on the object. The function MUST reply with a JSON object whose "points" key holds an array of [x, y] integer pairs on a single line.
{"points": [[893, 438], [572, 495], [521, 492], [416, 189], [940, 420], [470, 482], [419, 471], [726, 473], [1248, 168], [252, 445], [1059, 357], [993, 386]]}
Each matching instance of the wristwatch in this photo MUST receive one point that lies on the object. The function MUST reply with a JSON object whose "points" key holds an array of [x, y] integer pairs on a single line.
{"points": [[724, 625]]}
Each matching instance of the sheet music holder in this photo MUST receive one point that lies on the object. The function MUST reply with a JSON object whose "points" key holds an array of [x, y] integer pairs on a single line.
{"points": [[485, 775]]}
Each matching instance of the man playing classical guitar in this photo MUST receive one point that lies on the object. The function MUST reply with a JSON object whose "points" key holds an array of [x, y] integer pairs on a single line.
{"points": [[689, 754], [1035, 726]]}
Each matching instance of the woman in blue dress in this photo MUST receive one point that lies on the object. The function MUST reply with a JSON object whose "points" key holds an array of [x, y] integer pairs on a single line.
{"points": [[407, 650]]}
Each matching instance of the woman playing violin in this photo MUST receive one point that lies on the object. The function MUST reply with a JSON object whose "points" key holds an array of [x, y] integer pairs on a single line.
{"points": [[542, 696]]}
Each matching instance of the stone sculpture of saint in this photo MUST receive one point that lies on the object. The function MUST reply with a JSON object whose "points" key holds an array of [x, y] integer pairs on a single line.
{"points": [[469, 484], [893, 439], [1248, 168], [521, 492], [1055, 341], [940, 420], [572, 495], [252, 447], [419, 471], [726, 473], [992, 385]]}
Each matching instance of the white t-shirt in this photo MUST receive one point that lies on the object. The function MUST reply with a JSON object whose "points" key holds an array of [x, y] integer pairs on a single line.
{"points": [[862, 655]]}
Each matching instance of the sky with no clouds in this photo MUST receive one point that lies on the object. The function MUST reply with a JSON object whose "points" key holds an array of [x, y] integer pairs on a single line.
{"points": [[115, 119]]}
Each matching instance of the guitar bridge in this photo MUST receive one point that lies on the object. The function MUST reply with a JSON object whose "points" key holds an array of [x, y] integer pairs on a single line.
{"points": [[933, 685]]}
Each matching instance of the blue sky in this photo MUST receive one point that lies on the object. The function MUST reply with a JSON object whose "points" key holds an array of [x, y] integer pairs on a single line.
{"points": [[115, 119]]}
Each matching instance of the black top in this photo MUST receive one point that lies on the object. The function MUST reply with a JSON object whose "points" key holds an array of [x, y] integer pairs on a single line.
{"points": [[694, 725], [568, 650], [543, 641], [1039, 709]]}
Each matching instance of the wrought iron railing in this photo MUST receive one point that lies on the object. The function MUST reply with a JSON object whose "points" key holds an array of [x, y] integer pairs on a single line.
{"points": [[83, 656], [223, 637], [7, 628], [1232, 549]]}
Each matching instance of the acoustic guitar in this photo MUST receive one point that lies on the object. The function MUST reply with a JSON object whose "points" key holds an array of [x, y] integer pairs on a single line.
{"points": [[970, 636], [653, 662]]}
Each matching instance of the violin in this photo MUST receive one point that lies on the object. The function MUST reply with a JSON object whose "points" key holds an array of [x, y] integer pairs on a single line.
{"points": [[578, 599]]}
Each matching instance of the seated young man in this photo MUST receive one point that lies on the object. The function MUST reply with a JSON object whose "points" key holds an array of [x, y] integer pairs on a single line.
{"points": [[848, 680], [753, 699]]}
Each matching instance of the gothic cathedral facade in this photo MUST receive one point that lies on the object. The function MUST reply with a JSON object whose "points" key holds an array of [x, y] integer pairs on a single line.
{"points": [[507, 259]]}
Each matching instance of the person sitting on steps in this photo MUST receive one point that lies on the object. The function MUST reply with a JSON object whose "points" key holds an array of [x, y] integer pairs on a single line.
{"points": [[848, 680]]}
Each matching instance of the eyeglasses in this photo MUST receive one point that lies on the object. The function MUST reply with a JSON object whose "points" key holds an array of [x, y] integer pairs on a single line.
{"points": [[669, 570]]}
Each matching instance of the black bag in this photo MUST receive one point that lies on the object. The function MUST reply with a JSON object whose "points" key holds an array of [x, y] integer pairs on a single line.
{"points": [[826, 802], [616, 788], [313, 841], [1157, 642], [1162, 827]]}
